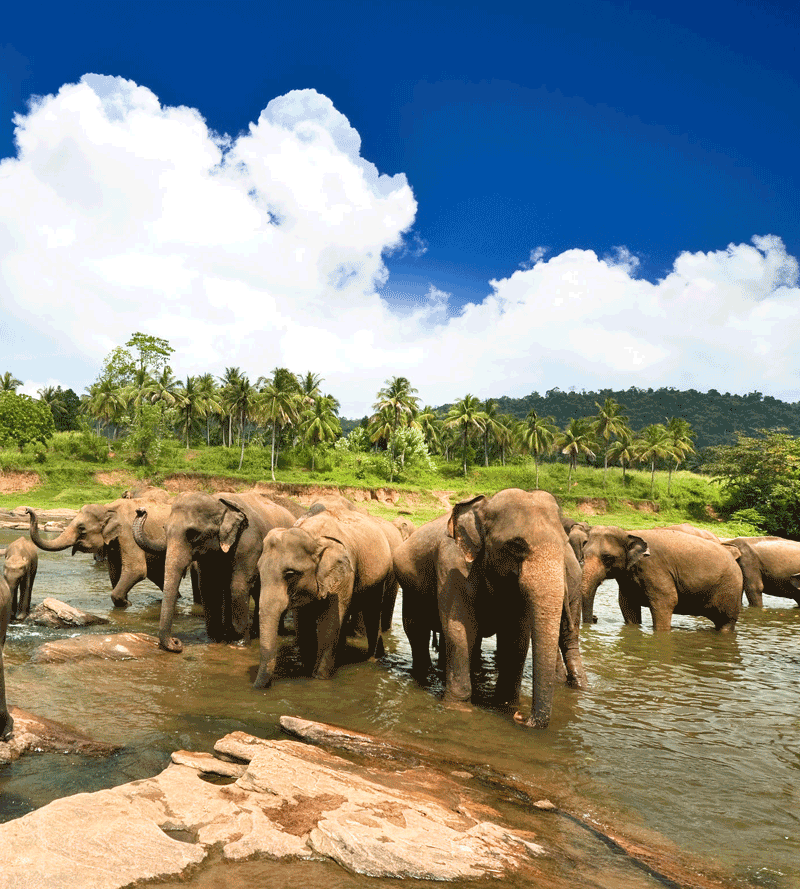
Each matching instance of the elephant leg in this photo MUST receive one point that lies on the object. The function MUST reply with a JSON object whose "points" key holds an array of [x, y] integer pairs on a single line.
{"points": [[387, 608], [513, 644], [197, 599], [417, 631], [214, 581], [126, 581], [329, 625], [6, 720], [26, 591], [14, 589], [569, 643], [305, 625], [628, 605], [372, 610]]}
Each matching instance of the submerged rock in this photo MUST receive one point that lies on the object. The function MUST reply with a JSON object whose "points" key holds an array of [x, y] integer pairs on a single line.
{"points": [[54, 613], [277, 798], [40, 735], [118, 647]]}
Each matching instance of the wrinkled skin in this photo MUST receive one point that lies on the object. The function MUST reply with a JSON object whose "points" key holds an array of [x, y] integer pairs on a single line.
{"points": [[769, 565], [330, 562], [669, 572], [6, 721], [22, 561], [223, 535], [578, 533], [494, 566], [108, 528], [692, 529]]}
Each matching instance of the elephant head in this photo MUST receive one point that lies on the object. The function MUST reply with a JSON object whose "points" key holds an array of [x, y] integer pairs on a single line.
{"points": [[94, 526], [516, 543], [199, 527], [297, 569], [607, 554]]}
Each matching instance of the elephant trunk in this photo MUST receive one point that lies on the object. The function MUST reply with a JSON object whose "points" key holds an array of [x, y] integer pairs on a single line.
{"points": [[274, 601], [67, 538], [143, 541], [178, 559], [543, 585], [594, 573]]}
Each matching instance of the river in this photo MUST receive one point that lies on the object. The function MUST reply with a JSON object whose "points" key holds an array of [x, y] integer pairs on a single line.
{"points": [[694, 735]]}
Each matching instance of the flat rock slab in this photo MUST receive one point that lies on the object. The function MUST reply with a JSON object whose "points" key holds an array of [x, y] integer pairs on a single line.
{"points": [[279, 799], [49, 519], [116, 647], [35, 733], [54, 613]]}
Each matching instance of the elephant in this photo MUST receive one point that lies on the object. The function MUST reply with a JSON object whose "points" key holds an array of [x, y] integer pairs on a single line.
{"points": [[769, 565], [6, 720], [108, 528], [496, 565], [22, 561], [223, 535], [148, 492], [578, 533], [670, 572], [692, 529], [330, 562]]}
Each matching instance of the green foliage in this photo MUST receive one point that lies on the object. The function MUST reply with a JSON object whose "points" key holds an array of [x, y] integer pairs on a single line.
{"points": [[24, 420], [762, 475], [145, 439]]}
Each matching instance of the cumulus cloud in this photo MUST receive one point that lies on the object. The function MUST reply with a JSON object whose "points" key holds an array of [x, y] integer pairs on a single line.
{"points": [[266, 249]]}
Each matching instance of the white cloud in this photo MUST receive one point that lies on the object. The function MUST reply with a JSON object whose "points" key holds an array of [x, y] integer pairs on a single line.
{"points": [[120, 214]]}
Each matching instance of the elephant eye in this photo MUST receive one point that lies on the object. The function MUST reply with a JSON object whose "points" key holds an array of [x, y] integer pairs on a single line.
{"points": [[290, 573]]}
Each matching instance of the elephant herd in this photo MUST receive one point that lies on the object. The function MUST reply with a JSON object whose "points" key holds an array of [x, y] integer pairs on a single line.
{"points": [[510, 566]]}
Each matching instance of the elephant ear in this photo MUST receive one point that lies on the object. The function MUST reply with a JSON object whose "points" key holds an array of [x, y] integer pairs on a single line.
{"points": [[111, 526], [465, 527], [733, 550], [637, 549], [335, 571], [234, 521]]}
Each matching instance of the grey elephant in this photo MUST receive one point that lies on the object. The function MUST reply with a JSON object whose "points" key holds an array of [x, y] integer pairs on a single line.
{"points": [[499, 566], [108, 528], [669, 572], [578, 534], [19, 570], [330, 562], [223, 534], [769, 565], [6, 720]]}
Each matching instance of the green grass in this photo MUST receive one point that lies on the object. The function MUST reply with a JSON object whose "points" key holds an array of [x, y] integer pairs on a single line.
{"points": [[69, 478]]}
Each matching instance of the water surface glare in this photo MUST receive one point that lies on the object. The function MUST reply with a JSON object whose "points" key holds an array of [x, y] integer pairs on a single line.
{"points": [[693, 734]]}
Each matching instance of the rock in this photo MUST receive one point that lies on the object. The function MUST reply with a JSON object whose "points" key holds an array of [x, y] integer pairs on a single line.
{"points": [[34, 733], [53, 613], [287, 800], [117, 647]]}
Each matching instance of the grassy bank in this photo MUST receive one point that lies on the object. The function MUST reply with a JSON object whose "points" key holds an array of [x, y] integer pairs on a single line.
{"points": [[65, 477]]}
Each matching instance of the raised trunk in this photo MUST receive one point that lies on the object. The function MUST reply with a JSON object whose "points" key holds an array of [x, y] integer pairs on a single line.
{"points": [[594, 573], [545, 590], [143, 541], [68, 536], [273, 602]]}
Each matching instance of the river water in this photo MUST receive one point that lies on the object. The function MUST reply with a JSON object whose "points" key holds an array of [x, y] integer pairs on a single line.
{"points": [[693, 735]]}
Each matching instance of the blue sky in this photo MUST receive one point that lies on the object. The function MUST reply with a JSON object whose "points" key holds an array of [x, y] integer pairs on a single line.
{"points": [[597, 167]]}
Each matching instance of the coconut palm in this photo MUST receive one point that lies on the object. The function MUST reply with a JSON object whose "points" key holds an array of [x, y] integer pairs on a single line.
{"points": [[53, 397], [680, 435], [623, 451], [320, 424], [240, 396], [538, 435], [576, 441], [105, 401], [8, 382], [492, 427], [431, 426], [310, 387], [230, 381], [609, 424], [466, 416], [398, 397], [652, 444], [189, 402], [210, 403], [279, 406]]}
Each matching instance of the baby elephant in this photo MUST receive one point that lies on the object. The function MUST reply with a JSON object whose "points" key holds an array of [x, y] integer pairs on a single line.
{"points": [[22, 560]]}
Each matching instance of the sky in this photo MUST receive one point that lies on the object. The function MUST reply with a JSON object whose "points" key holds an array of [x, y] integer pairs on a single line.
{"points": [[490, 198]]}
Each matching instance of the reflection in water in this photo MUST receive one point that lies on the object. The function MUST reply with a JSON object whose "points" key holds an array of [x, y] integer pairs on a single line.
{"points": [[693, 734]]}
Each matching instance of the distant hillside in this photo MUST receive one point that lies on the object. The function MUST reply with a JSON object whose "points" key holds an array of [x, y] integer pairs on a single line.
{"points": [[714, 416]]}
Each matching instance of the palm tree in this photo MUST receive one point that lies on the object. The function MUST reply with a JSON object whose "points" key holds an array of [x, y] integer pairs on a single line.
{"points": [[492, 427], [653, 444], [54, 398], [681, 435], [538, 436], [230, 381], [609, 423], [139, 390], [239, 399], [320, 424], [164, 388], [465, 415], [509, 433], [8, 382], [398, 396], [105, 401], [574, 441], [209, 400], [431, 426], [189, 401], [623, 451], [279, 406], [310, 387]]}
